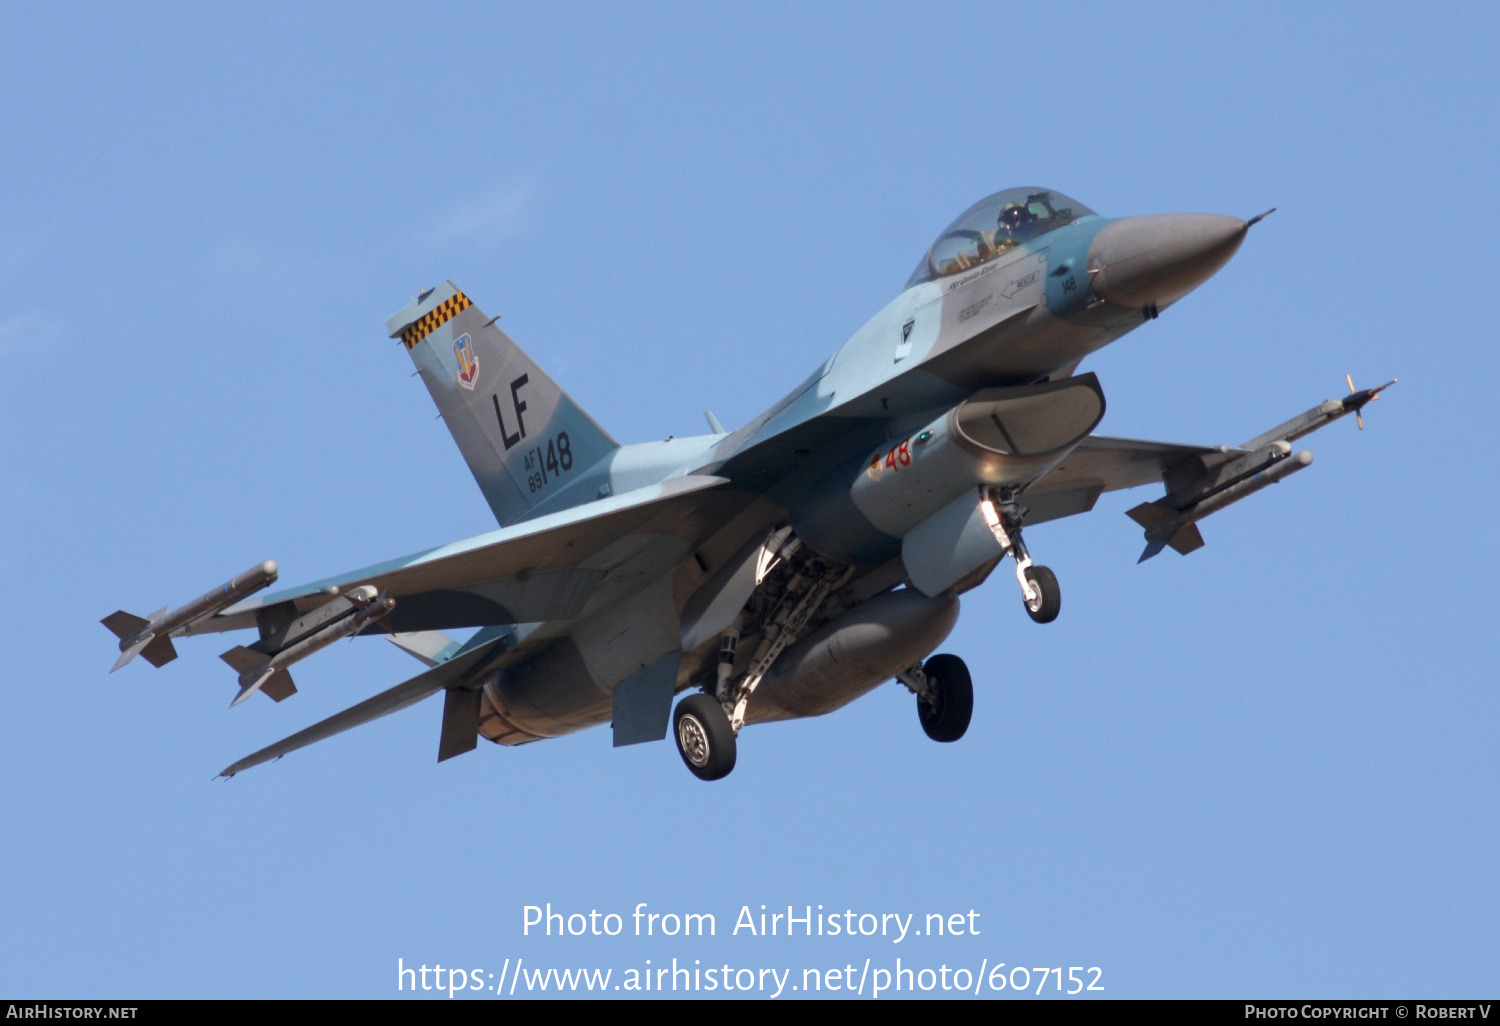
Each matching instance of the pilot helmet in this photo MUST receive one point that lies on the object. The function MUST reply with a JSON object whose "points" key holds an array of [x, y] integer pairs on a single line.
{"points": [[1014, 216]]}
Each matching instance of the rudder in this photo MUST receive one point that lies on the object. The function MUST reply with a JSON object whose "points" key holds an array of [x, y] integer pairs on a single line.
{"points": [[522, 436]]}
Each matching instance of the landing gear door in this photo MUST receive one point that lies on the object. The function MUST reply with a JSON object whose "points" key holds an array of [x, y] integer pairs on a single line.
{"points": [[949, 545]]}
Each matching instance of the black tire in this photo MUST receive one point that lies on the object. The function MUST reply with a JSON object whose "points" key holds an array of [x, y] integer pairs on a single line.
{"points": [[947, 717], [1051, 603], [704, 738]]}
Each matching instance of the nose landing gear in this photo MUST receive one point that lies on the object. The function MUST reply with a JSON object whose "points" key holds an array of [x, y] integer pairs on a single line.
{"points": [[1039, 589], [1043, 597]]}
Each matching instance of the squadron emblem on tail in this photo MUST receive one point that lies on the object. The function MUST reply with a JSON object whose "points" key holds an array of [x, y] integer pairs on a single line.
{"points": [[468, 363]]}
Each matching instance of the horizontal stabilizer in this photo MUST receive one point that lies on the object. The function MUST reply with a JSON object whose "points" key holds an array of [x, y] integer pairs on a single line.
{"points": [[383, 704]]}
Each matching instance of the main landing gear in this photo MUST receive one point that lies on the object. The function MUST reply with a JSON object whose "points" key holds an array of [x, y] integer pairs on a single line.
{"points": [[704, 736], [706, 725], [945, 696], [1039, 590]]}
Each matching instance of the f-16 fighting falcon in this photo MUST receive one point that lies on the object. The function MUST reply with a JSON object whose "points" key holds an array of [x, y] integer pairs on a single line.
{"points": [[786, 568]]}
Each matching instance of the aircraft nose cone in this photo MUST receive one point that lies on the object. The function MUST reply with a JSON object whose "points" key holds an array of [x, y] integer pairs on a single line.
{"points": [[1158, 259]]}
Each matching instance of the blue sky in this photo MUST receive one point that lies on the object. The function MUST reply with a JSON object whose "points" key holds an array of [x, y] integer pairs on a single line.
{"points": [[1265, 769]]}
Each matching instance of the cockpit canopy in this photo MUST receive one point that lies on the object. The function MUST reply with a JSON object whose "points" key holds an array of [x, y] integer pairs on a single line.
{"points": [[992, 226]]}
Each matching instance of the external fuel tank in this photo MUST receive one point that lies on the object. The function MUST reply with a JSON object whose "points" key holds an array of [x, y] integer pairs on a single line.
{"points": [[853, 653]]}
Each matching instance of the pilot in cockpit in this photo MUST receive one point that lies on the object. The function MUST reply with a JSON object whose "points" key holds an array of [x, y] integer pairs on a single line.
{"points": [[1017, 224]]}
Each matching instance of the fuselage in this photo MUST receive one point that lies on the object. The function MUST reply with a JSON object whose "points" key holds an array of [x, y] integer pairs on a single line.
{"points": [[1020, 289]]}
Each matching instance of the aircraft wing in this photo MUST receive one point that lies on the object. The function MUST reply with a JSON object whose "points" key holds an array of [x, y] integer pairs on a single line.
{"points": [[1199, 480], [439, 678], [1114, 463], [539, 569], [1193, 474], [1100, 464]]}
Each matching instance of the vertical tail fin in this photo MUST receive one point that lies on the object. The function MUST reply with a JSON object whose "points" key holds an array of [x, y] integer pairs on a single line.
{"points": [[523, 437]]}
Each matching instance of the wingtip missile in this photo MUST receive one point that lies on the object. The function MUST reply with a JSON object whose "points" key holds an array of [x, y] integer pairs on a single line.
{"points": [[1322, 415], [1357, 399]]}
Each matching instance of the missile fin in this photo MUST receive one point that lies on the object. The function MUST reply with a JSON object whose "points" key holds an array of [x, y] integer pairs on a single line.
{"points": [[254, 685], [241, 658], [279, 686], [1187, 539], [159, 651], [1152, 548], [277, 683], [1149, 514], [123, 624], [132, 651]]}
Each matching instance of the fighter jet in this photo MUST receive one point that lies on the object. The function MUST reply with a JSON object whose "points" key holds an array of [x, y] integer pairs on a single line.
{"points": [[786, 568]]}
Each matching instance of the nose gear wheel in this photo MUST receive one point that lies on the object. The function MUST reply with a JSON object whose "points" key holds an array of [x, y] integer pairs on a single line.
{"points": [[1044, 600], [1039, 589]]}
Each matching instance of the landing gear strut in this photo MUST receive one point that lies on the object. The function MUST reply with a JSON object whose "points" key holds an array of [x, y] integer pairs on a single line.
{"points": [[706, 725], [945, 696], [1039, 590]]}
